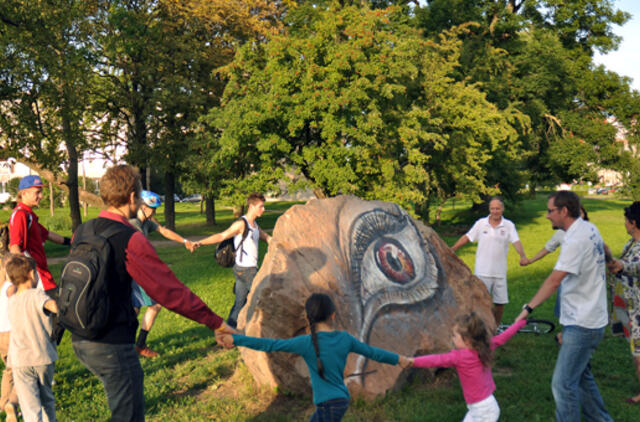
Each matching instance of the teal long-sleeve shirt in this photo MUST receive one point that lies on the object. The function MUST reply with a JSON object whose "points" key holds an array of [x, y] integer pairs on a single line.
{"points": [[335, 346]]}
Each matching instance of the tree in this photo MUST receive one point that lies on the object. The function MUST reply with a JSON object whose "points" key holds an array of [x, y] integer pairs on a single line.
{"points": [[359, 102], [45, 47], [536, 56]]}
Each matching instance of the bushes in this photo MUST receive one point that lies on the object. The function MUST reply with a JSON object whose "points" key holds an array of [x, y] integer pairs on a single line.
{"points": [[58, 223]]}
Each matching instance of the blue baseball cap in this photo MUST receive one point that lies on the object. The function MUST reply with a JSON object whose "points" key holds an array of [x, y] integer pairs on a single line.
{"points": [[32, 181]]}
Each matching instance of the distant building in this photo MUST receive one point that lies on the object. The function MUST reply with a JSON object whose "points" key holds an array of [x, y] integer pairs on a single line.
{"points": [[608, 177]]}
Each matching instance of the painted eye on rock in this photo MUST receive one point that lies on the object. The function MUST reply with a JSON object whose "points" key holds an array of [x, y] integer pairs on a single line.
{"points": [[391, 264], [394, 261]]}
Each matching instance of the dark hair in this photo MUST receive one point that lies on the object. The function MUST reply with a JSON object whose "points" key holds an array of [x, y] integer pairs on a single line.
{"points": [[567, 199], [254, 198], [473, 329], [585, 216], [18, 268], [117, 184], [319, 308], [632, 213]]}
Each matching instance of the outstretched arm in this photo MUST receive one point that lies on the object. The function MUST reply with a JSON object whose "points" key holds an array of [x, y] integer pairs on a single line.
{"points": [[523, 257], [171, 235], [541, 254], [264, 236], [549, 286], [504, 336], [235, 229], [295, 345], [464, 239], [374, 353], [443, 360], [56, 238]]}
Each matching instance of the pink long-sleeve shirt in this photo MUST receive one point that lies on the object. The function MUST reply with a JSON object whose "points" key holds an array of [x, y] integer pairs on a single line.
{"points": [[476, 380]]}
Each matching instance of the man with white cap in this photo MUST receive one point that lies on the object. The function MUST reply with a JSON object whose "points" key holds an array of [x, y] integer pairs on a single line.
{"points": [[27, 235]]}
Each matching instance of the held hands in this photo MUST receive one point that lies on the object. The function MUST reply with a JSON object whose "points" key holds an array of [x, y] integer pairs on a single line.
{"points": [[615, 266], [405, 362], [191, 246], [223, 335], [524, 262]]}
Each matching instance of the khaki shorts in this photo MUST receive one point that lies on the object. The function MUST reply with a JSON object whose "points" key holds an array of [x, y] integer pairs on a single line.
{"points": [[497, 287]]}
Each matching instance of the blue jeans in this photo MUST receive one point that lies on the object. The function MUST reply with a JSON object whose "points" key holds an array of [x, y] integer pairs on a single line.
{"points": [[241, 288], [573, 386], [118, 368], [33, 385], [330, 411]]}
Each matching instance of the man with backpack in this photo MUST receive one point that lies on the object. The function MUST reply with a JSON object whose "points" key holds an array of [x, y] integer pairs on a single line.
{"points": [[27, 235], [107, 255], [245, 233]]}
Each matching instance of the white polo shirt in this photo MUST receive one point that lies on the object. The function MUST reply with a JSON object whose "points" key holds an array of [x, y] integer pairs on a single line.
{"points": [[584, 292], [493, 246]]}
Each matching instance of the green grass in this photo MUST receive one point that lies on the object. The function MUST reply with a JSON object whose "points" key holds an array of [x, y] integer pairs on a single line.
{"points": [[194, 379]]}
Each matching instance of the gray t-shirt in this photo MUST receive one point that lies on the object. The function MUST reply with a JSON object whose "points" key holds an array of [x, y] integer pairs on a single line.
{"points": [[30, 341], [146, 227]]}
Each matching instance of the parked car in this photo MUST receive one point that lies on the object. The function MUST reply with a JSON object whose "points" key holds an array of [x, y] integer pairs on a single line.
{"points": [[176, 198], [602, 191], [196, 197]]}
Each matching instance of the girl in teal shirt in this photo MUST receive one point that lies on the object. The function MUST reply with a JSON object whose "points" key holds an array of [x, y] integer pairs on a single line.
{"points": [[325, 352]]}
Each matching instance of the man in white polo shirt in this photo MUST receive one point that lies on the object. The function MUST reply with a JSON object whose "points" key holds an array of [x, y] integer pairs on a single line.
{"points": [[583, 312], [493, 234]]}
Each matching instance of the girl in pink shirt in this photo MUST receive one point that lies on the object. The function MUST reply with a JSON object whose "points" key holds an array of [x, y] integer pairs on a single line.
{"points": [[472, 359]]}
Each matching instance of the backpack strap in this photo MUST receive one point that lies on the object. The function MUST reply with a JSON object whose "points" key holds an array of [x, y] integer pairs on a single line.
{"points": [[89, 227], [29, 222], [245, 233], [29, 216]]}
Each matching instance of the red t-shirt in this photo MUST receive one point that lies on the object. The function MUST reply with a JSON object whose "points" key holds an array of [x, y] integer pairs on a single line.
{"points": [[30, 239]]}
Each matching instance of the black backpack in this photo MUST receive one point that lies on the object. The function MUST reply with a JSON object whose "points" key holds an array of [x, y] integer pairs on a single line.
{"points": [[226, 253], [83, 300]]}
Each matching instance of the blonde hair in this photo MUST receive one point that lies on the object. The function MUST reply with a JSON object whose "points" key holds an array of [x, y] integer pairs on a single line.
{"points": [[473, 330]]}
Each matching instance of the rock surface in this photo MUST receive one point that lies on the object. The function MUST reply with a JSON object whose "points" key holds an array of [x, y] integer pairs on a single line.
{"points": [[395, 283]]}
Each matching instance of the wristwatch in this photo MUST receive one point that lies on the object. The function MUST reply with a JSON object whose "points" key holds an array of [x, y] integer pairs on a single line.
{"points": [[527, 308]]}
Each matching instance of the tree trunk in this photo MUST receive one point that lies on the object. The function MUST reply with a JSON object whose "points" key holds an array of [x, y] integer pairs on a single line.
{"points": [[319, 193], [210, 209], [84, 187], [148, 177], [169, 206], [51, 199], [72, 179]]}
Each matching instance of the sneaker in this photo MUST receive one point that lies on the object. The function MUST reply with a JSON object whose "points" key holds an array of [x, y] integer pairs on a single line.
{"points": [[146, 352], [10, 410]]}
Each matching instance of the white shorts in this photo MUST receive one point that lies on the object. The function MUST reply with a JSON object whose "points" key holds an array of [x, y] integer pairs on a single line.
{"points": [[497, 287], [486, 410]]}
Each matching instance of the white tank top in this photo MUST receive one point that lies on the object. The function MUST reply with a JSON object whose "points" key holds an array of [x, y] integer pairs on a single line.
{"points": [[5, 325], [247, 254]]}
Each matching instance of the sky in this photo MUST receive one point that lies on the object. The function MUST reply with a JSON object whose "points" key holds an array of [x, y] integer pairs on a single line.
{"points": [[626, 59]]}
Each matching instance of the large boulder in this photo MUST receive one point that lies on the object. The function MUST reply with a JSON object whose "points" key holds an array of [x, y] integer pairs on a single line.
{"points": [[395, 283]]}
